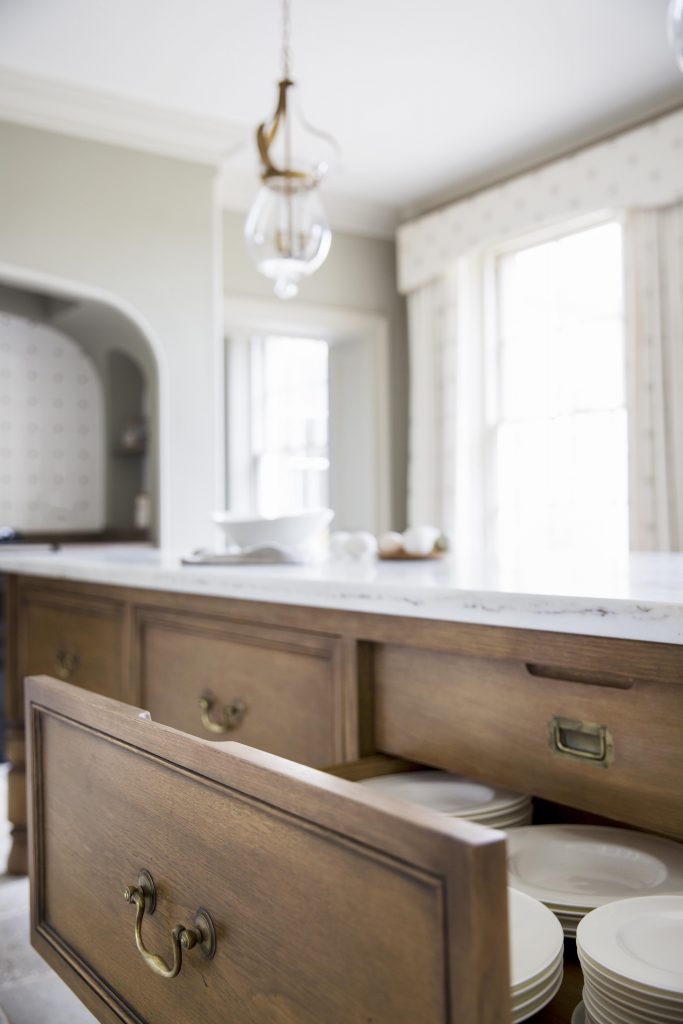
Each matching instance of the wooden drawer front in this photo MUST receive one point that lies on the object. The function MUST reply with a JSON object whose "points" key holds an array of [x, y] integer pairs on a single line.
{"points": [[79, 639], [490, 719], [286, 682], [329, 905]]}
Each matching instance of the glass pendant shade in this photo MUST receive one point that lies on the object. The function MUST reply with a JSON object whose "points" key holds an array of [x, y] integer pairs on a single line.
{"points": [[286, 232], [287, 235], [675, 29]]}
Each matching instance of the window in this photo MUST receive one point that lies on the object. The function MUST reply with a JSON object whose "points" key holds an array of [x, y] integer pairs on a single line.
{"points": [[307, 416], [289, 424], [557, 429]]}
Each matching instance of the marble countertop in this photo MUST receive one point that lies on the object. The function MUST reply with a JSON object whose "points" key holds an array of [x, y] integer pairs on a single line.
{"points": [[641, 598]]}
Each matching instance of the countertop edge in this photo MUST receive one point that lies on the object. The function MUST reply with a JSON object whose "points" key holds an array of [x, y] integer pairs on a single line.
{"points": [[622, 617]]}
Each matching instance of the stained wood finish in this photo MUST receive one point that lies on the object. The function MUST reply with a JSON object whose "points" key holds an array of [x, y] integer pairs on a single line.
{"points": [[489, 719], [79, 636], [331, 903], [592, 673], [289, 682], [50, 629]]}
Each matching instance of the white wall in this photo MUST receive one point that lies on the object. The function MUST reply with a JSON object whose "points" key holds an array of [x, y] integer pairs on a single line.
{"points": [[359, 274], [143, 229]]}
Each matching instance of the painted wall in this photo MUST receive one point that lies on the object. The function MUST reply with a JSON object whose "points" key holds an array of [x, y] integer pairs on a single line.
{"points": [[142, 229], [359, 274]]}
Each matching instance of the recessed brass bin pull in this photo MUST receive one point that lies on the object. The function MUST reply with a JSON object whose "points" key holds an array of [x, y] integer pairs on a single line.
{"points": [[584, 740], [144, 896], [231, 718]]}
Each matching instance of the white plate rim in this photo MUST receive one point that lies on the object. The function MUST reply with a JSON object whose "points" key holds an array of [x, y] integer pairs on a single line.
{"points": [[596, 936], [639, 842], [638, 1004], [501, 799], [539, 941]]}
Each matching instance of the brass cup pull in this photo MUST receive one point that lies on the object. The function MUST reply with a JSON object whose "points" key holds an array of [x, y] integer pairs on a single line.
{"points": [[231, 716], [143, 895], [65, 664], [585, 741]]}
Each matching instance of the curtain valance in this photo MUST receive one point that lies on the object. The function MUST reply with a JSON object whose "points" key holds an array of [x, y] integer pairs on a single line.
{"points": [[641, 167]]}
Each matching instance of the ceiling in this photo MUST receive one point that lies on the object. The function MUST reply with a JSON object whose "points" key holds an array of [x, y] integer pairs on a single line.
{"points": [[427, 99]]}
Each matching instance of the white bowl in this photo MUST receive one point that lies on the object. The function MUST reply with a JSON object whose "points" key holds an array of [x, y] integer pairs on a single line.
{"points": [[283, 531]]}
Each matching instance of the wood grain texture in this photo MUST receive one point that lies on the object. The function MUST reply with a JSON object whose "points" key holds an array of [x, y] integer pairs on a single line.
{"points": [[331, 903], [489, 719], [291, 683]]}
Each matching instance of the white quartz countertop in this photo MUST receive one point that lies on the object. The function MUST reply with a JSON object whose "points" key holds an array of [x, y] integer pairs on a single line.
{"points": [[641, 599]]}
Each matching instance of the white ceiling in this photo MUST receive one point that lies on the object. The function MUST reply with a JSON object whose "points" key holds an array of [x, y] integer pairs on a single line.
{"points": [[428, 98]]}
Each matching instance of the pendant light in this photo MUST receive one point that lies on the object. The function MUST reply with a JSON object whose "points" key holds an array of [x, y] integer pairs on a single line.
{"points": [[286, 232]]}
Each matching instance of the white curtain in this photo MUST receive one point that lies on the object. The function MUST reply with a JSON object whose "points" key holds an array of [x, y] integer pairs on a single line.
{"points": [[432, 334], [654, 291]]}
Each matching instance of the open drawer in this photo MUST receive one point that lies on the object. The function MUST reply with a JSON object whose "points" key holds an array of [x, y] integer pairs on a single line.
{"points": [[328, 903]]}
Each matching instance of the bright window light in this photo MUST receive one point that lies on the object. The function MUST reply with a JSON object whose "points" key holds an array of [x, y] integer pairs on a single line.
{"points": [[559, 439], [290, 413]]}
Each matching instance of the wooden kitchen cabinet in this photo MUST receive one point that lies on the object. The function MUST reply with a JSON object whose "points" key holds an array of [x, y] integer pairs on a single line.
{"points": [[602, 736], [295, 687], [327, 903], [60, 631], [269, 687], [75, 637], [593, 725]]}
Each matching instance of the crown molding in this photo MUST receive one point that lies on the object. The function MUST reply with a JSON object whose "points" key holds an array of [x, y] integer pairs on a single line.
{"points": [[69, 109]]}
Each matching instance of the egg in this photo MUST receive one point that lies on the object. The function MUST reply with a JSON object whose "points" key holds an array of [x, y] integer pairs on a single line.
{"points": [[420, 540], [390, 542], [338, 542], [361, 545]]}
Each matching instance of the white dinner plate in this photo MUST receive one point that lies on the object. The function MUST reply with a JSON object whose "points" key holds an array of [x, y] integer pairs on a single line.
{"points": [[536, 938], [639, 939], [604, 978], [579, 1014], [616, 1013], [530, 988], [628, 1007], [450, 794], [528, 1009], [586, 866], [544, 990]]}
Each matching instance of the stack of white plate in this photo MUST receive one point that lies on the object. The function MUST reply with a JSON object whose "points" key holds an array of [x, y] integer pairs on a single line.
{"points": [[536, 955], [457, 796], [631, 955], [575, 868]]}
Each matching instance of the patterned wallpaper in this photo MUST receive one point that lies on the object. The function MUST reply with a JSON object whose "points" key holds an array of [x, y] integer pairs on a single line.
{"points": [[642, 167], [51, 431]]}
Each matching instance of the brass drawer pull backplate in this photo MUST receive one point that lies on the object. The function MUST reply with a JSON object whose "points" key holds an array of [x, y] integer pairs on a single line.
{"points": [[231, 717], [203, 935], [66, 664], [586, 741]]}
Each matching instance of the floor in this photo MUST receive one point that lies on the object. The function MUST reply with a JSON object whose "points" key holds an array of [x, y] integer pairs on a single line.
{"points": [[30, 993]]}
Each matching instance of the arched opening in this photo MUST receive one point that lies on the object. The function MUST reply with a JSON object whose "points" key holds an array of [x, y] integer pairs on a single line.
{"points": [[79, 415]]}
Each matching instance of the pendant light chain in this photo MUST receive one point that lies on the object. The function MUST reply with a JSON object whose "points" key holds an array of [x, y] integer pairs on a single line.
{"points": [[286, 39]]}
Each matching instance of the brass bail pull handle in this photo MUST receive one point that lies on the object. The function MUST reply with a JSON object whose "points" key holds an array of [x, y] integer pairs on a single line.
{"points": [[66, 663], [232, 714], [143, 895]]}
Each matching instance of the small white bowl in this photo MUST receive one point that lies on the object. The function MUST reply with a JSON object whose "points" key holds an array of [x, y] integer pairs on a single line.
{"points": [[283, 531]]}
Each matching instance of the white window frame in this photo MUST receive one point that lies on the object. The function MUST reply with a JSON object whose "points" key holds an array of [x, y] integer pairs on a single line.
{"points": [[491, 361], [360, 460]]}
